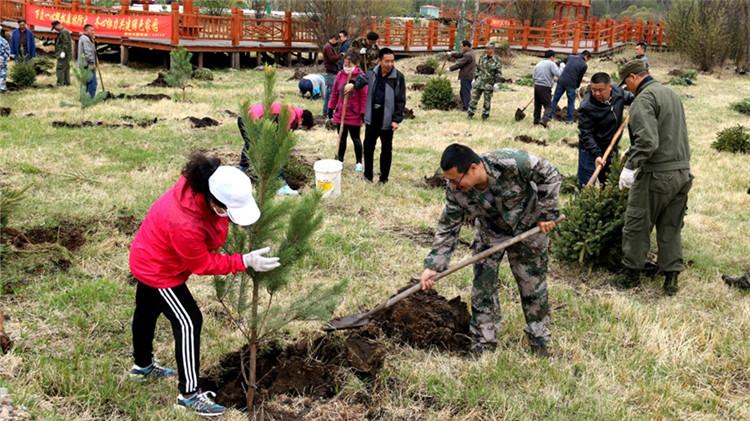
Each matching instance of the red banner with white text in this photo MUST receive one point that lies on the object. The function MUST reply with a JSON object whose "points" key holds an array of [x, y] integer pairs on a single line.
{"points": [[120, 26]]}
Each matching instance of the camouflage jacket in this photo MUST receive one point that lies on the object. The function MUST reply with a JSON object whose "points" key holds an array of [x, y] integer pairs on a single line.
{"points": [[523, 190], [371, 57], [489, 70]]}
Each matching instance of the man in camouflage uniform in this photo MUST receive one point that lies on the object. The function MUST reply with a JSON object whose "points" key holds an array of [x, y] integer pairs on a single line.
{"points": [[657, 172], [505, 193], [368, 50], [63, 53], [489, 70]]}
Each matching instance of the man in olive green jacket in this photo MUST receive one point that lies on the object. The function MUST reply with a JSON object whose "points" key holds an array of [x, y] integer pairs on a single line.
{"points": [[657, 172], [63, 53]]}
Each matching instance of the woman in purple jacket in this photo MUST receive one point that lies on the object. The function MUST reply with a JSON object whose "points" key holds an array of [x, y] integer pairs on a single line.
{"points": [[353, 116]]}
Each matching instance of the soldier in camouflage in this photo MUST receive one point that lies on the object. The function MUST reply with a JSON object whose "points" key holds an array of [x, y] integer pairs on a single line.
{"points": [[489, 70], [505, 193], [368, 49]]}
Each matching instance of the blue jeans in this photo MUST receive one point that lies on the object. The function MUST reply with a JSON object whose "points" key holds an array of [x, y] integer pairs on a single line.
{"points": [[571, 91], [91, 86], [587, 165], [330, 78]]}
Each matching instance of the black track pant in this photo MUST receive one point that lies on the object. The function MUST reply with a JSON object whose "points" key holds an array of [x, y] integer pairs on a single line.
{"points": [[353, 132], [178, 305], [542, 98]]}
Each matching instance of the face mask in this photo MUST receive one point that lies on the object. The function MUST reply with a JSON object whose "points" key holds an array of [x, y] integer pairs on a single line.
{"points": [[221, 212], [348, 70]]}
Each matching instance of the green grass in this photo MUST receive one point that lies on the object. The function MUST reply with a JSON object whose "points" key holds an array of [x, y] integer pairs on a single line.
{"points": [[617, 354]]}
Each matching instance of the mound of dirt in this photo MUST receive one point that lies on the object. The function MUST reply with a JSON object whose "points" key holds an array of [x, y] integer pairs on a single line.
{"points": [[408, 114], [420, 236], [299, 73], [159, 82], [89, 124], [4, 111], [418, 86], [231, 113], [144, 97], [435, 181], [573, 143], [313, 368], [199, 123], [427, 320], [299, 172], [528, 139], [69, 235], [562, 114], [127, 224], [425, 69]]}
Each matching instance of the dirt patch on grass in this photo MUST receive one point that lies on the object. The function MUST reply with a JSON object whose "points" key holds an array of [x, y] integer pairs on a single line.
{"points": [[159, 82], [310, 367], [127, 224], [299, 171], [425, 69], [132, 123], [143, 97], [199, 123], [420, 236], [428, 320], [306, 409], [69, 235], [562, 114], [528, 139], [4, 111], [418, 86], [435, 181]]}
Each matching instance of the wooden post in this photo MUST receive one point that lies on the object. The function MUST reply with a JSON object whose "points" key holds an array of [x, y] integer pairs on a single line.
{"points": [[451, 35], [124, 7], [477, 31], [525, 40], [659, 35], [75, 5], [87, 7], [564, 33], [431, 34], [287, 28], [236, 60], [511, 34], [200, 60], [548, 35], [408, 34], [387, 32], [625, 30], [175, 23], [576, 37], [236, 26], [611, 40], [595, 28], [123, 55]]}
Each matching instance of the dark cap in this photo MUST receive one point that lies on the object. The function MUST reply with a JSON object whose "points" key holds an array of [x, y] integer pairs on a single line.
{"points": [[631, 67], [549, 53], [55, 23]]}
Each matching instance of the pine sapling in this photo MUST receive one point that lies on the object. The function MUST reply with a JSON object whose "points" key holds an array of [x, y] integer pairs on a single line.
{"points": [[180, 69], [286, 225]]}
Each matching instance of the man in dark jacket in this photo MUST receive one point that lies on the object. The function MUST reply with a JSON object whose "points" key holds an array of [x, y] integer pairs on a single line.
{"points": [[599, 117], [344, 44], [466, 66], [22, 46], [63, 53], [570, 80], [331, 58], [386, 99], [657, 172]]}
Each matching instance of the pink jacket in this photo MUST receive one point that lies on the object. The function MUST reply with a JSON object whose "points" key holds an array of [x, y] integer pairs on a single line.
{"points": [[179, 237], [295, 116], [355, 105]]}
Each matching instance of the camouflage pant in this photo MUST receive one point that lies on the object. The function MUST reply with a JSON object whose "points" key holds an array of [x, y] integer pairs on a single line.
{"points": [[528, 262], [476, 93]]}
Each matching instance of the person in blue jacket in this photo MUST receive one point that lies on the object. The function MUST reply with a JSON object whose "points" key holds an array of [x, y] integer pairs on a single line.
{"points": [[22, 47], [569, 81]]}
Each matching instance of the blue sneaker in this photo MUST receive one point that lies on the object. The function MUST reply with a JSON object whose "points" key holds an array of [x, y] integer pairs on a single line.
{"points": [[201, 403], [358, 167], [153, 371]]}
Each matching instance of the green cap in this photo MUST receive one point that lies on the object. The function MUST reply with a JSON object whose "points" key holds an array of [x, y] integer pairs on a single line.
{"points": [[631, 67]]}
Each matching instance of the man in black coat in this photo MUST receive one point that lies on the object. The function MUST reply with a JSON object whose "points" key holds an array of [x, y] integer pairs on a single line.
{"points": [[570, 80], [599, 117]]}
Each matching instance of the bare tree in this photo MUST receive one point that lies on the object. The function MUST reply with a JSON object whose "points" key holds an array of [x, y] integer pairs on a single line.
{"points": [[701, 30], [535, 11]]}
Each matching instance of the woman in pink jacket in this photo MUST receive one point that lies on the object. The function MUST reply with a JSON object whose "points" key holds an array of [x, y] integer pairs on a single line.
{"points": [[179, 237], [353, 116]]}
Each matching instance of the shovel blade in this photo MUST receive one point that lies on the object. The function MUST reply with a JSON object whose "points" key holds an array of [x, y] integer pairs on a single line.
{"points": [[519, 114], [347, 322]]}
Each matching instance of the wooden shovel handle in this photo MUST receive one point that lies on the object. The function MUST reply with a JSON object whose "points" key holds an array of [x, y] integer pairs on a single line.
{"points": [[343, 106], [471, 260], [527, 104], [612, 143]]}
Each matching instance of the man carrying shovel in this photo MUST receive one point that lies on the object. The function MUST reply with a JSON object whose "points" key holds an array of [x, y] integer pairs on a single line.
{"points": [[599, 117], [87, 57], [506, 192]]}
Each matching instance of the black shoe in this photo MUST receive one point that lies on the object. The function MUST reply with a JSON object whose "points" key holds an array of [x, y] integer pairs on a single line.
{"points": [[485, 117], [737, 281], [628, 278], [543, 123], [539, 349], [650, 268], [670, 283], [470, 116]]}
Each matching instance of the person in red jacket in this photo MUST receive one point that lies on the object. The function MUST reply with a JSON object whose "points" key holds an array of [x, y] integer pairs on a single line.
{"points": [[179, 237], [353, 116]]}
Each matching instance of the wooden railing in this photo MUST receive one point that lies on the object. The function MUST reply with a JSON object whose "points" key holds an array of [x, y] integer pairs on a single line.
{"points": [[574, 36]]}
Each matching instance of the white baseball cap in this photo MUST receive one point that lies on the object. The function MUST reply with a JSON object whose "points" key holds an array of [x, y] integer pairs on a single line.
{"points": [[233, 188]]}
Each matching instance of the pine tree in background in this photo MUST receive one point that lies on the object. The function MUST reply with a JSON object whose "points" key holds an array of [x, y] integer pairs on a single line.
{"points": [[592, 233], [180, 69], [286, 225]]}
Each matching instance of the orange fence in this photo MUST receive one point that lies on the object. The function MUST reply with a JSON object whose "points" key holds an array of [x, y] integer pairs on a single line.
{"points": [[592, 34]]}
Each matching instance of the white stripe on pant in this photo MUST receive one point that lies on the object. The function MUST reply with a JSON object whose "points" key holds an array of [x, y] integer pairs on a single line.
{"points": [[188, 346]]}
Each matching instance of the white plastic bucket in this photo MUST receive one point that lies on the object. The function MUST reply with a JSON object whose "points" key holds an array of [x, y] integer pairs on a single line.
{"points": [[328, 176]]}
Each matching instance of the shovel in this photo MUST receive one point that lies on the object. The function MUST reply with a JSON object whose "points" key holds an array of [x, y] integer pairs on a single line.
{"points": [[343, 115], [361, 319], [520, 115], [611, 146]]}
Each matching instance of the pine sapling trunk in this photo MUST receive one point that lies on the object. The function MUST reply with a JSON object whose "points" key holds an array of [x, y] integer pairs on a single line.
{"points": [[252, 380]]}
